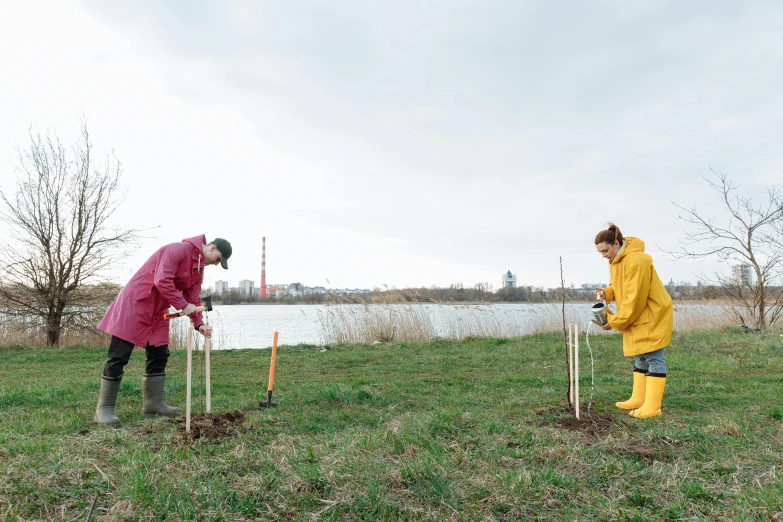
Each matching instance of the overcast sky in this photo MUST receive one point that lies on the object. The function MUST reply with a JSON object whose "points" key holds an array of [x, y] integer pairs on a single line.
{"points": [[407, 143]]}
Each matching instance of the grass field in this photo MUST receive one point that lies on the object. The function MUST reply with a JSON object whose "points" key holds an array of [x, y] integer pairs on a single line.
{"points": [[442, 430]]}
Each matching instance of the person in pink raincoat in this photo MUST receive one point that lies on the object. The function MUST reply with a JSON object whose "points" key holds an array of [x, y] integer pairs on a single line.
{"points": [[172, 276]]}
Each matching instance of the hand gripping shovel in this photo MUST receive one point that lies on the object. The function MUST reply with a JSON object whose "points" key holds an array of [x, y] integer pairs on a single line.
{"points": [[206, 307]]}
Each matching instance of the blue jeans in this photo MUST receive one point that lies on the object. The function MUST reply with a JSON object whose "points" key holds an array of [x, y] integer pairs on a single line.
{"points": [[652, 363]]}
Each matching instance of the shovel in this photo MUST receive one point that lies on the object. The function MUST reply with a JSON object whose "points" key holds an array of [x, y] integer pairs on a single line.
{"points": [[269, 403]]}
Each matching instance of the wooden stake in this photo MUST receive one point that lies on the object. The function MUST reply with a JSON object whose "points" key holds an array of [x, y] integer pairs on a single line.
{"points": [[207, 350], [570, 366], [576, 369], [189, 378]]}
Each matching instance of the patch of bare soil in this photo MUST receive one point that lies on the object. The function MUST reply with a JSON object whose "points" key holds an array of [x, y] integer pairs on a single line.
{"points": [[594, 427], [208, 426], [590, 423], [662, 448], [645, 452]]}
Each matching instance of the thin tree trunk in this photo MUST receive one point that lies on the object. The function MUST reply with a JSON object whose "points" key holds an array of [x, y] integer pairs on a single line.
{"points": [[565, 336]]}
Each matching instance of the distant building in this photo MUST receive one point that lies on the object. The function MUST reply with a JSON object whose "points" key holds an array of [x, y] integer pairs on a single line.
{"points": [[742, 275], [276, 291], [350, 291], [590, 289], [310, 290], [221, 287], [509, 280], [671, 287], [246, 287], [295, 290]]}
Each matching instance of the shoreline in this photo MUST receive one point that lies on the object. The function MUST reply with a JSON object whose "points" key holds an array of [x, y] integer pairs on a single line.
{"points": [[716, 302]]}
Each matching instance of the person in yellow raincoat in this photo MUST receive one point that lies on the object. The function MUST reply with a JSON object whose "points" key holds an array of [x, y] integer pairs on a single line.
{"points": [[644, 315]]}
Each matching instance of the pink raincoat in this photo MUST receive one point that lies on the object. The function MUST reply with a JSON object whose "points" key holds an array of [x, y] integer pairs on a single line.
{"points": [[171, 277]]}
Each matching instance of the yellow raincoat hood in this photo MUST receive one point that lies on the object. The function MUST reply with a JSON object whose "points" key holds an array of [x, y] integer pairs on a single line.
{"points": [[644, 308]]}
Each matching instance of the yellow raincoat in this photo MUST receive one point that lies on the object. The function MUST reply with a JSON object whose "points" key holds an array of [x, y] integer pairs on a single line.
{"points": [[644, 308]]}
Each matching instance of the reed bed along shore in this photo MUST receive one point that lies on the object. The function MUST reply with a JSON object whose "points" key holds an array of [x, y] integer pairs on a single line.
{"points": [[369, 323], [31, 332]]}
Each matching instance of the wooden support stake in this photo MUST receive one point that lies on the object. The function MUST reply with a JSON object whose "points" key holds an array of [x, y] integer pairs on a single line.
{"points": [[207, 350], [189, 379], [576, 369], [570, 366]]}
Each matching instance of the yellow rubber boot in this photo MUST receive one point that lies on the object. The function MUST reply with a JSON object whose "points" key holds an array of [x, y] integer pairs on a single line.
{"points": [[637, 396], [652, 399]]}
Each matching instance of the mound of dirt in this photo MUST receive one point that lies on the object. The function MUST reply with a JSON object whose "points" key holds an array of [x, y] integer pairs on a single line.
{"points": [[594, 426], [208, 426], [591, 422]]}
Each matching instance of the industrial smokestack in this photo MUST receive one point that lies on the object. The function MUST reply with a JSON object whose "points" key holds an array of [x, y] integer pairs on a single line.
{"points": [[262, 290]]}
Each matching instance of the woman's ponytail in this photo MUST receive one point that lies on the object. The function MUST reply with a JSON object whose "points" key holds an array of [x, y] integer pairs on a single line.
{"points": [[610, 235]]}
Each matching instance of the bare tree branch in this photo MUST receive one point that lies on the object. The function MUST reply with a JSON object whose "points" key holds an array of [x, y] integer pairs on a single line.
{"points": [[752, 236], [61, 239]]}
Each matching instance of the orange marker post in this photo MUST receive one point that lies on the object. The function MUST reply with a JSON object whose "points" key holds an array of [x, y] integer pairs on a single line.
{"points": [[269, 403]]}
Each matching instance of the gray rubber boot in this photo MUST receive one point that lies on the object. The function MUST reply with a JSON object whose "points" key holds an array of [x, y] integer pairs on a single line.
{"points": [[107, 399], [152, 390]]}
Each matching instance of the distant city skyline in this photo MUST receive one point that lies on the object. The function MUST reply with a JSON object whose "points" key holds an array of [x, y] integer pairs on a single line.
{"points": [[582, 287]]}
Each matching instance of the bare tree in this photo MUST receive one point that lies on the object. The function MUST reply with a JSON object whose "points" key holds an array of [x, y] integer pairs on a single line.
{"points": [[60, 239], [750, 235]]}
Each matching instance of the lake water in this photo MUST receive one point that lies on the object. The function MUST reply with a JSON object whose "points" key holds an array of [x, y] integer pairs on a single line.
{"points": [[253, 326]]}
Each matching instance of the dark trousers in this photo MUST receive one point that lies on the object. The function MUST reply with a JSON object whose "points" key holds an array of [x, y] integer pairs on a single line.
{"points": [[120, 352]]}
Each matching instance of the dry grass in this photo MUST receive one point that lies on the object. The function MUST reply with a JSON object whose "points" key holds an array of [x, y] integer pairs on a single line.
{"points": [[178, 331], [31, 332], [692, 317], [367, 323]]}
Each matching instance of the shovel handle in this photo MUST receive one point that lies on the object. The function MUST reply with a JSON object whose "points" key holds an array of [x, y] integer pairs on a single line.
{"points": [[198, 309]]}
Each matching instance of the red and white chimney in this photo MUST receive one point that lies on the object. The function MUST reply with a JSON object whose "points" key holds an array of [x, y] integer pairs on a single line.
{"points": [[262, 290]]}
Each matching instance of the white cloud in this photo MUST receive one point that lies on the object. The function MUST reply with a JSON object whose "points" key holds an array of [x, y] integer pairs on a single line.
{"points": [[408, 144]]}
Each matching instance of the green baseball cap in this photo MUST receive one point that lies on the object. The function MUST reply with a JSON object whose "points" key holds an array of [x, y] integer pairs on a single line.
{"points": [[225, 250]]}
